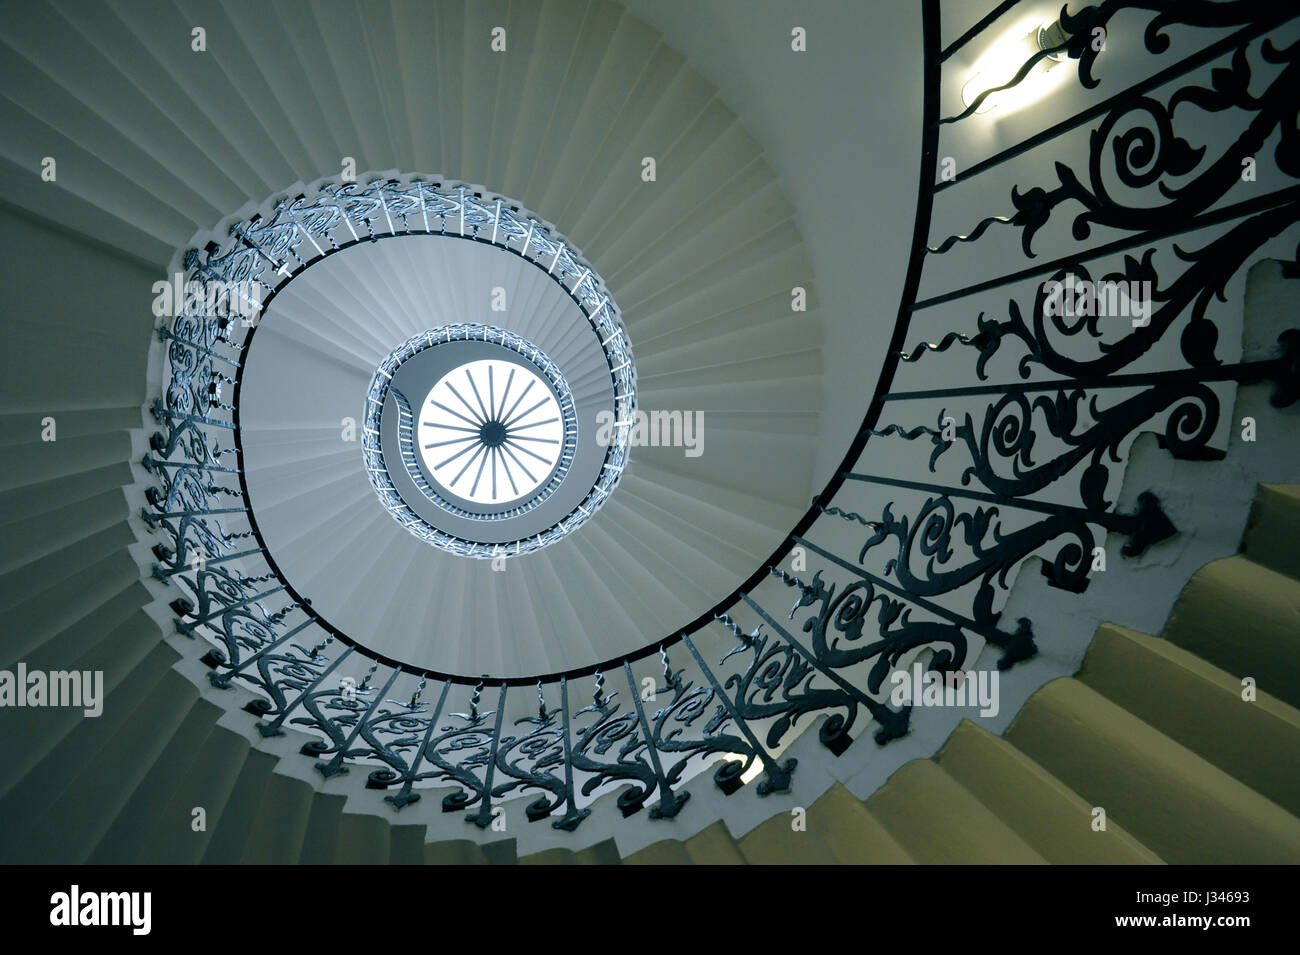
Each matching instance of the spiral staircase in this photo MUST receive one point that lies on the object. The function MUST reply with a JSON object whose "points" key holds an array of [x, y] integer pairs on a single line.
{"points": [[325, 686]]}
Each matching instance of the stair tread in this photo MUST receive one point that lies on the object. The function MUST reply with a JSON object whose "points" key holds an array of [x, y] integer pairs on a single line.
{"points": [[454, 852], [1258, 607], [229, 830], [1274, 527], [208, 784], [714, 845], [1201, 707], [277, 832], [148, 803], [1053, 819], [938, 821], [838, 829], [1175, 802], [664, 852]]}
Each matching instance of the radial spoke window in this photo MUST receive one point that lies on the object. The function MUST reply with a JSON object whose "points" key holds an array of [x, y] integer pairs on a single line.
{"points": [[490, 432]]}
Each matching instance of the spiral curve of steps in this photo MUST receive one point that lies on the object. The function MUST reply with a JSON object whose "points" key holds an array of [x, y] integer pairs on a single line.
{"points": [[149, 164]]}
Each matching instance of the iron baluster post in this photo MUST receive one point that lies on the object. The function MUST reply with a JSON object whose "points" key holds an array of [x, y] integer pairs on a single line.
{"points": [[572, 815], [405, 795], [274, 727], [778, 774], [335, 766], [483, 818], [893, 723], [222, 680], [670, 803], [1016, 647]]}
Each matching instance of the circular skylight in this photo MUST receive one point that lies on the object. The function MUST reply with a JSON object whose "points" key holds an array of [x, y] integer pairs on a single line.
{"points": [[490, 432], [475, 443]]}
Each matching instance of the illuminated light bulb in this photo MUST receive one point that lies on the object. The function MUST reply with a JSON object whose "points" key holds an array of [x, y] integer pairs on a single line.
{"points": [[1004, 59], [749, 775]]}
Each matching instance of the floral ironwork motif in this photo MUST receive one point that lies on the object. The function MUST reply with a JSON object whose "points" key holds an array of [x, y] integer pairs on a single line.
{"points": [[1028, 468]]}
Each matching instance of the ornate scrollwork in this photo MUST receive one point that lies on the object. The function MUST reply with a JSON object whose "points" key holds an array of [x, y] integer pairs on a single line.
{"points": [[1038, 459]]}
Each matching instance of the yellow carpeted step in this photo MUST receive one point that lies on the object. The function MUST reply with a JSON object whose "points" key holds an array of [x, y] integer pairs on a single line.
{"points": [[940, 822], [853, 833], [776, 842], [454, 852], [602, 853], [839, 829], [1274, 528], [550, 857], [714, 845], [1243, 617], [1042, 810], [363, 840], [665, 852], [1176, 803], [502, 852], [1201, 707]]}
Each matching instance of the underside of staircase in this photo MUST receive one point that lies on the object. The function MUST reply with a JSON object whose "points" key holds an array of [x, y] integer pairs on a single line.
{"points": [[1154, 730]]}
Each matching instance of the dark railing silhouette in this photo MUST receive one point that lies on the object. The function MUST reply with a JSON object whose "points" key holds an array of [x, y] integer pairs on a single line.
{"points": [[1021, 466]]}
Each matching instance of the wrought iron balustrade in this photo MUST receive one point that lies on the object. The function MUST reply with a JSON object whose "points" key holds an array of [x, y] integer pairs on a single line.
{"points": [[1018, 455]]}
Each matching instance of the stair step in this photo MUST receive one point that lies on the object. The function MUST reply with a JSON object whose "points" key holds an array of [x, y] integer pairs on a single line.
{"points": [[664, 852], [501, 852], [39, 461], [1200, 706], [1243, 617], [468, 851], [86, 546], [32, 539], [25, 511], [840, 829], [855, 835], [30, 734], [454, 852], [46, 782], [939, 822], [207, 783], [406, 844], [363, 840], [1177, 804], [148, 804], [87, 810], [1273, 529], [276, 834], [39, 615], [229, 830], [714, 845], [1042, 810], [322, 829], [602, 853]]}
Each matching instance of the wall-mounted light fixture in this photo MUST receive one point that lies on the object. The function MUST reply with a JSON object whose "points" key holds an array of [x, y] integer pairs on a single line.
{"points": [[1006, 57]]}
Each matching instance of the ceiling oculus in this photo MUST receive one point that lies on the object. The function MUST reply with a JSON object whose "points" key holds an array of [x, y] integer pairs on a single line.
{"points": [[491, 431], [475, 443], [483, 425]]}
